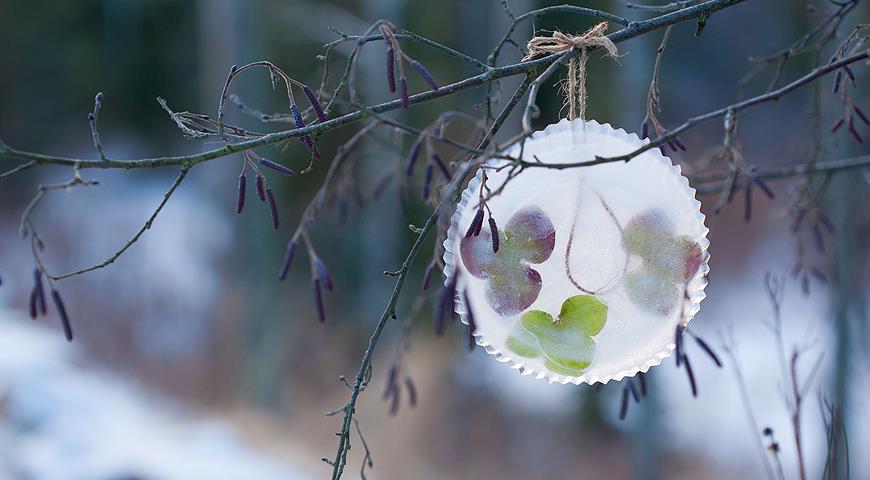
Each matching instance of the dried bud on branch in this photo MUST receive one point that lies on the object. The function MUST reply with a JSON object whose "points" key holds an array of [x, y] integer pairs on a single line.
{"points": [[446, 305], [493, 229], [64, 319], [277, 167], [425, 75], [391, 69], [322, 273], [427, 182], [403, 87], [261, 188], [472, 325], [427, 275], [476, 224], [318, 299], [413, 153], [273, 208], [704, 346], [289, 255], [315, 103], [243, 187], [441, 165]]}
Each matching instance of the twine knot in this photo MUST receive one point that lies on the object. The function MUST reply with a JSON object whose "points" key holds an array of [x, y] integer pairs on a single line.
{"points": [[574, 87]]}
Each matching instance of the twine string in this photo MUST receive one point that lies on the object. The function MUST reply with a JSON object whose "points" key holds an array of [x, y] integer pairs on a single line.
{"points": [[574, 86]]}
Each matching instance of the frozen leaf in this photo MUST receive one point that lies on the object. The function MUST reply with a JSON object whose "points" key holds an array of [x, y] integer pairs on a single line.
{"points": [[530, 234], [512, 286], [511, 291], [523, 343], [566, 343], [648, 289], [646, 233], [585, 310]]}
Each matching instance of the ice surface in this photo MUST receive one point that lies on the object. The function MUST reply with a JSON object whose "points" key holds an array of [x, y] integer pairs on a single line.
{"points": [[597, 203]]}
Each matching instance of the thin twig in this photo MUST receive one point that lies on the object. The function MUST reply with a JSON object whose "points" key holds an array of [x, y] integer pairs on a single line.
{"points": [[134, 239]]}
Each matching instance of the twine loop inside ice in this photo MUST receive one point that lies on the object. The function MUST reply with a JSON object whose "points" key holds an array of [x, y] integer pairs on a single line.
{"points": [[574, 87]]}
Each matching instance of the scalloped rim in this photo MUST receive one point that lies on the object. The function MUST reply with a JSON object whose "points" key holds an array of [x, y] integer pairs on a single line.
{"points": [[690, 308]]}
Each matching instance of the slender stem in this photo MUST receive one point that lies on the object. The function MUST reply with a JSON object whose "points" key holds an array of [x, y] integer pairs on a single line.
{"points": [[340, 459], [181, 175], [716, 182]]}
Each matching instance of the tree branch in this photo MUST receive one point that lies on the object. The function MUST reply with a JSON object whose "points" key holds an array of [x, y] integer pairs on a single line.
{"points": [[633, 29], [717, 182], [694, 121]]}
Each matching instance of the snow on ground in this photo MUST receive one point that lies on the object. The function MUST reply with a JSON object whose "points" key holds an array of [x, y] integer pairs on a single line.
{"points": [[61, 421]]}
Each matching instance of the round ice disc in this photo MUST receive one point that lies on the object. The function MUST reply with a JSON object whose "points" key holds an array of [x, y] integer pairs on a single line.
{"points": [[594, 267]]}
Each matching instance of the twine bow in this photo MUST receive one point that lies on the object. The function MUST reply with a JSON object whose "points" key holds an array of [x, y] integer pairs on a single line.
{"points": [[574, 87]]}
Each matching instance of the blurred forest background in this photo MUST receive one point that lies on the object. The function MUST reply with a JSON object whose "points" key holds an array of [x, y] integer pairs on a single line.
{"points": [[193, 318]]}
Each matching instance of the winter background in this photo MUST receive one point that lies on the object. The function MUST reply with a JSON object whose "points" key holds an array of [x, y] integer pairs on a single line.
{"points": [[192, 362]]}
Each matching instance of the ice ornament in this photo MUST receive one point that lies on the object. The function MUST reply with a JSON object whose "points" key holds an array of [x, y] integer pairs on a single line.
{"points": [[595, 266]]}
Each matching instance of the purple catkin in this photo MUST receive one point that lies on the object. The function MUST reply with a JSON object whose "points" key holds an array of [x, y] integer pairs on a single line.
{"points": [[297, 116], [679, 144], [849, 73], [826, 222], [381, 186], [412, 392], [403, 87], [391, 381], [445, 306], [476, 223], [39, 291], [32, 304], [709, 351], [861, 115], [261, 188], [493, 229], [427, 181], [394, 403], [644, 130], [642, 382], [678, 342], [747, 213], [413, 153], [691, 376], [633, 389], [273, 208], [820, 240], [472, 325], [64, 319], [318, 300], [763, 185], [243, 187], [277, 167], [441, 165], [837, 125], [623, 404], [309, 143], [855, 133], [289, 255], [306, 139], [315, 103], [425, 75], [427, 275], [391, 69], [837, 78], [322, 273]]}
